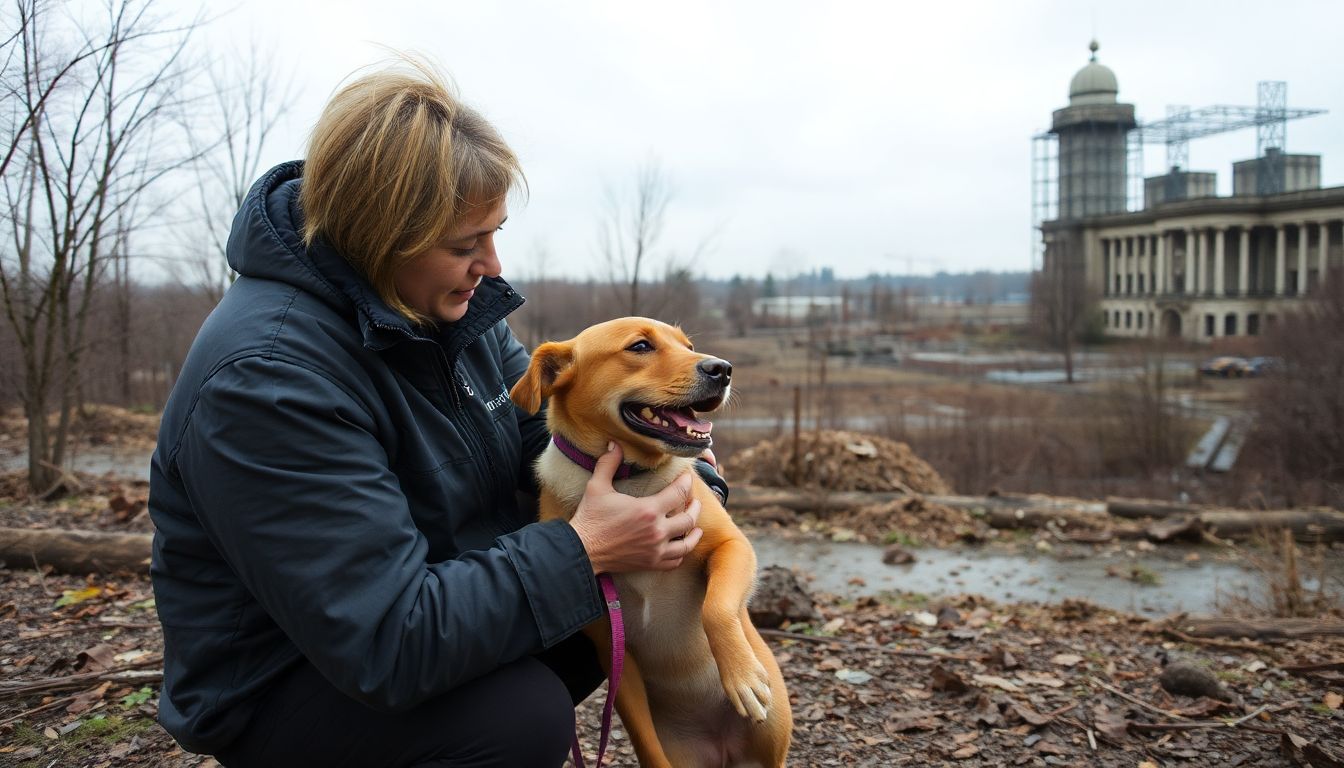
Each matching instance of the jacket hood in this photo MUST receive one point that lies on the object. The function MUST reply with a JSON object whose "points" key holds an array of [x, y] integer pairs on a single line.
{"points": [[267, 242]]}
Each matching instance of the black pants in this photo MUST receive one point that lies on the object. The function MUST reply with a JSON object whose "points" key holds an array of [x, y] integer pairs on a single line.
{"points": [[522, 714]]}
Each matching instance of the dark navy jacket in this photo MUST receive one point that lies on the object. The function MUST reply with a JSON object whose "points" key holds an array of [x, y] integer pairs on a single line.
{"points": [[333, 484]]}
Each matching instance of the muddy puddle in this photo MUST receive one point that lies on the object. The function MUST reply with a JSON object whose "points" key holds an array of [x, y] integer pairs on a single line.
{"points": [[1162, 581]]}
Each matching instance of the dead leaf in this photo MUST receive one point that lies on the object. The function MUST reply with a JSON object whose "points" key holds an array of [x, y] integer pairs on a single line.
{"points": [[97, 658], [1066, 659], [1002, 657], [987, 712], [1028, 715], [1040, 678], [943, 680], [77, 596], [1333, 700], [970, 750], [1048, 747], [912, 720], [853, 676], [997, 682], [86, 700], [1112, 724]]}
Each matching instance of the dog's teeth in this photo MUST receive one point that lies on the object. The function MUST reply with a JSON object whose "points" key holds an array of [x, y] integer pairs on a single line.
{"points": [[647, 413]]}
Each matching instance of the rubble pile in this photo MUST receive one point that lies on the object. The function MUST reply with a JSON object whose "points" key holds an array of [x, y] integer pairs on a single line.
{"points": [[836, 460]]}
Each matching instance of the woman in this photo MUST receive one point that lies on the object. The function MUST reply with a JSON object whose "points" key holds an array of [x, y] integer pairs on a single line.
{"points": [[342, 567]]}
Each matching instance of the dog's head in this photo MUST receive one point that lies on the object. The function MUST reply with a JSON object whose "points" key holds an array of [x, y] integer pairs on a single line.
{"points": [[634, 380]]}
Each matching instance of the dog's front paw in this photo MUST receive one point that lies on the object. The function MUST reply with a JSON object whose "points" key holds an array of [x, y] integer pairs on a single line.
{"points": [[748, 689]]}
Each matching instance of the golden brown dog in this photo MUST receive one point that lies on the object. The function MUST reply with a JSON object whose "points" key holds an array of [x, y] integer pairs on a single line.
{"points": [[699, 687]]}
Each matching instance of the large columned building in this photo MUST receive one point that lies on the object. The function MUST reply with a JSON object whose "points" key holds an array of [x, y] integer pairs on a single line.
{"points": [[1189, 264]]}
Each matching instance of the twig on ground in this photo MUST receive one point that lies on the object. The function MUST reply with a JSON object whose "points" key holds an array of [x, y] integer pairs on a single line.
{"points": [[1135, 700], [43, 708], [1194, 725], [41, 578], [72, 628], [23, 687]]}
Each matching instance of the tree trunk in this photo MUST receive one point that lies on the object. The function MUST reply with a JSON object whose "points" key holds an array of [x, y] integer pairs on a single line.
{"points": [[41, 475], [77, 552]]}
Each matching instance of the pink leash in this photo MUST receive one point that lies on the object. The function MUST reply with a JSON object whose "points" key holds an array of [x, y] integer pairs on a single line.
{"points": [[617, 661]]}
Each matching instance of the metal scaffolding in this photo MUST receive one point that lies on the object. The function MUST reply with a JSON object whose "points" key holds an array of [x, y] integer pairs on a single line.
{"points": [[1182, 124]]}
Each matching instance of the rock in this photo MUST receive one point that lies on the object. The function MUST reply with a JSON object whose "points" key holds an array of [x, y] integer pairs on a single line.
{"points": [[779, 598], [1186, 679], [895, 554]]}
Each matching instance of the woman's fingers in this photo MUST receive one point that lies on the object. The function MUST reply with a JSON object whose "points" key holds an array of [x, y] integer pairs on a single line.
{"points": [[605, 469]]}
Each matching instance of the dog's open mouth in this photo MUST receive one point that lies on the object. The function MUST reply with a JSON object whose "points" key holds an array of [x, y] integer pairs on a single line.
{"points": [[676, 425]]}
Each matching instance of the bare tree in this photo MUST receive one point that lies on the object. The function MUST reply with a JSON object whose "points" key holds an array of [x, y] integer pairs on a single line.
{"points": [[248, 99], [1060, 299], [631, 230], [88, 131]]}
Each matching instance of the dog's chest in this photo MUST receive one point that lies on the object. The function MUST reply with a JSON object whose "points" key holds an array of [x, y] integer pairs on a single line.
{"points": [[661, 610]]}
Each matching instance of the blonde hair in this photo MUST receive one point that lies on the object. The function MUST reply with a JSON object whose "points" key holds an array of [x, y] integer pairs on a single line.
{"points": [[394, 163]]}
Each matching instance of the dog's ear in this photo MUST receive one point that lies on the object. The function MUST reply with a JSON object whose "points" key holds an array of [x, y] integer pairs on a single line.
{"points": [[549, 361]]}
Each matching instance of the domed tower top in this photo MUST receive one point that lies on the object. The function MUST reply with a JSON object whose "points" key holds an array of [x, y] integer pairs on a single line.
{"points": [[1094, 83]]}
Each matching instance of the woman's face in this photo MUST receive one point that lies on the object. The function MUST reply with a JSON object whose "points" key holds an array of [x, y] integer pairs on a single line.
{"points": [[439, 282]]}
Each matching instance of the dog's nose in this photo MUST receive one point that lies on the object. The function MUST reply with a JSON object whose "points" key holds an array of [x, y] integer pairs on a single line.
{"points": [[718, 371]]}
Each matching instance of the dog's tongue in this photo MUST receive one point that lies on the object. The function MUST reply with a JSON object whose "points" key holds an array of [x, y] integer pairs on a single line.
{"points": [[686, 419]]}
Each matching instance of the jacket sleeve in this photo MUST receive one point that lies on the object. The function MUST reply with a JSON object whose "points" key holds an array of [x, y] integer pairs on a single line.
{"points": [[531, 427], [315, 526]]}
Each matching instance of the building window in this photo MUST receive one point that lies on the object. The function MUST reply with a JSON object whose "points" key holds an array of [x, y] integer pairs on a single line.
{"points": [[1140, 319], [1117, 319], [1253, 324], [1209, 323], [1140, 283], [1230, 324], [1129, 284], [1129, 319]]}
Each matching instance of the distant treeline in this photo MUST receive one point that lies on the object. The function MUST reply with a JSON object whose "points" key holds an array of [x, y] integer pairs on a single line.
{"points": [[132, 359]]}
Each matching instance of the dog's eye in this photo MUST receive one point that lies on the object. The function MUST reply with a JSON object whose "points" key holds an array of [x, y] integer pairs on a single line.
{"points": [[640, 346]]}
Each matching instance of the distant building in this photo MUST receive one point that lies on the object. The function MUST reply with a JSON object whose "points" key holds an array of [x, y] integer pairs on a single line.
{"points": [[1185, 263]]}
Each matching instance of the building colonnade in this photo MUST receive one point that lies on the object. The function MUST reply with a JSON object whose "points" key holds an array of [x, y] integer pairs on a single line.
{"points": [[1229, 260]]}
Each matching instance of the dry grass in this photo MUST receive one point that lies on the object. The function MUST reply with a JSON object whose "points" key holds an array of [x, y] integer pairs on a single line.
{"points": [[1291, 583]]}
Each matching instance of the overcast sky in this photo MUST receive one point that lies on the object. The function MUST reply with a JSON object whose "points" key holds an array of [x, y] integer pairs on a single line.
{"points": [[875, 136]]}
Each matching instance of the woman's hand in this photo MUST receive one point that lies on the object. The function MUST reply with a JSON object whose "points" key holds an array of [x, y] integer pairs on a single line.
{"points": [[625, 533]]}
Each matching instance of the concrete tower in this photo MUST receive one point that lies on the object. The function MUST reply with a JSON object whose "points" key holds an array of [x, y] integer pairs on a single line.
{"points": [[1092, 134]]}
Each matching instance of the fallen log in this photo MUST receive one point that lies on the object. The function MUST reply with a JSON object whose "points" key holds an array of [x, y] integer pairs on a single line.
{"points": [[1136, 509], [1173, 520], [1306, 524], [1260, 629], [749, 497], [77, 552]]}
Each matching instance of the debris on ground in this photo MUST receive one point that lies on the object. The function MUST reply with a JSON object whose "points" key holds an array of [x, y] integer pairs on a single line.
{"points": [[103, 503], [912, 521], [91, 426], [895, 680], [836, 460]]}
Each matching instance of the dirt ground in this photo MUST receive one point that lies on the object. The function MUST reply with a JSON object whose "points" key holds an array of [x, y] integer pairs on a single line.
{"points": [[891, 679]]}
